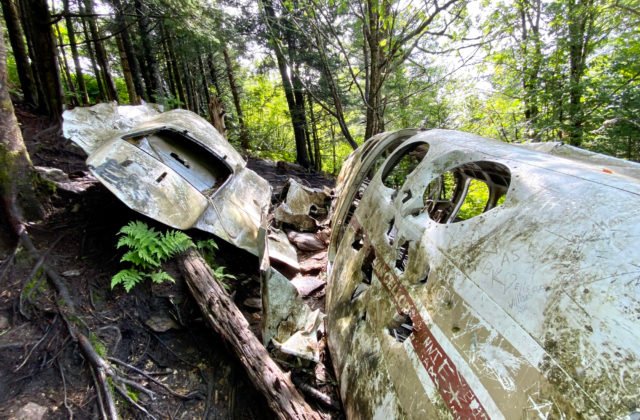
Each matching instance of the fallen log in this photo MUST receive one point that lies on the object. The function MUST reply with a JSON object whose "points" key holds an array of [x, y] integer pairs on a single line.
{"points": [[227, 320]]}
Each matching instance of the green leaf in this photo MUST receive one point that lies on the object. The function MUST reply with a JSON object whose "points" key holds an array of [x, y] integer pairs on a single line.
{"points": [[161, 277], [128, 278]]}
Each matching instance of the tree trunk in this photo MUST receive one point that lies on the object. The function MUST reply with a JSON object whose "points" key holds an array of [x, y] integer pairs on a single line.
{"points": [[338, 110], [374, 124], [154, 83], [298, 125], [314, 132], [170, 75], [227, 320], [17, 178], [216, 114], [102, 95], [187, 83], [127, 47], [176, 68], [101, 53], [65, 69], [205, 84], [46, 59], [244, 136], [214, 75], [16, 37], [82, 87], [126, 72]]}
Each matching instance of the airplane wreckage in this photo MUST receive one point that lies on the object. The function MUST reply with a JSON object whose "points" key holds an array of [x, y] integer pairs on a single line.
{"points": [[467, 278]]}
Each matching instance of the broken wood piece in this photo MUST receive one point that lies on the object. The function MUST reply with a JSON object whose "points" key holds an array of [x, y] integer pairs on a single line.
{"points": [[227, 320]]}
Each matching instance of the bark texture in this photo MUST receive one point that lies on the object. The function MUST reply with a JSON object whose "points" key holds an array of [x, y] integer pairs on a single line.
{"points": [[17, 178], [227, 320]]}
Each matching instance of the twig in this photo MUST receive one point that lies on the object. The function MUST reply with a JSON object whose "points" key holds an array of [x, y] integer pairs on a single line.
{"points": [[64, 388], [151, 378], [123, 392], [24, 362], [7, 263], [321, 397]]}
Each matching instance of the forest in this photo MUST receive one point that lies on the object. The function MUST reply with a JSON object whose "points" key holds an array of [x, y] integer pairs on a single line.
{"points": [[308, 81], [304, 81]]}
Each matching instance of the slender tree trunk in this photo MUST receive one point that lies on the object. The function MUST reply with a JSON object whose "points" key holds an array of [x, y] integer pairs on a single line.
{"points": [[314, 132], [46, 59], [188, 84], [16, 38], [214, 75], [82, 87], [176, 70], [244, 136], [66, 71], [126, 72], [17, 178], [170, 73], [338, 110], [102, 95], [154, 83], [298, 126], [101, 53], [127, 47], [580, 26], [205, 84]]}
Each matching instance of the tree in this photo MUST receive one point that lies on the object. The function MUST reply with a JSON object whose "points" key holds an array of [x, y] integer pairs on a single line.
{"points": [[45, 58], [17, 177], [279, 32], [16, 37]]}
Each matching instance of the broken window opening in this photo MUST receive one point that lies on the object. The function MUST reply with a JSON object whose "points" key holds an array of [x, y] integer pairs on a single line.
{"points": [[401, 327], [367, 266], [466, 191], [403, 163], [402, 256], [358, 241], [202, 169], [392, 232], [369, 171]]}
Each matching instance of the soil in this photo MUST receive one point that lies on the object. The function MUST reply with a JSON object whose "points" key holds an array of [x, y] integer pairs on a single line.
{"points": [[155, 328]]}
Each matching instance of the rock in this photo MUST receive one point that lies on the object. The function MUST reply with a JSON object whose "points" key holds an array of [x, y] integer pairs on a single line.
{"points": [[71, 273], [306, 241], [314, 263], [4, 322], [161, 323], [306, 285], [31, 411], [253, 303]]}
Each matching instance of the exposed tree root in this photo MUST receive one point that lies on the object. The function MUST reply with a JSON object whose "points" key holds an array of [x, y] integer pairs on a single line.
{"points": [[108, 379]]}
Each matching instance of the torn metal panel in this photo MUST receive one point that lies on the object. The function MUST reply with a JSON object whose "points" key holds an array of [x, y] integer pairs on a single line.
{"points": [[285, 252], [303, 207], [519, 304], [173, 167], [288, 322]]}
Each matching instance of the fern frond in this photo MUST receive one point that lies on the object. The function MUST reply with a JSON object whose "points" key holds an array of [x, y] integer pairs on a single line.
{"points": [[177, 241], [128, 278], [207, 245], [161, 277]]}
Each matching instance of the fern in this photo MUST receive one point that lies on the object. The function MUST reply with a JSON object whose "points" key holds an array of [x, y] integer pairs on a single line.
{"points": [[147, 250], [161, 277], [128, 278]]}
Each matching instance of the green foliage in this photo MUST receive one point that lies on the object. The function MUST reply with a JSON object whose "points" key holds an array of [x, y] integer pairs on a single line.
{"points": [[147, 250]]}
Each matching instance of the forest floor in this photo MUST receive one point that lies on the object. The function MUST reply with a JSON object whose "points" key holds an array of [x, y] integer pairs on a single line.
{"points": [[156, 328]]}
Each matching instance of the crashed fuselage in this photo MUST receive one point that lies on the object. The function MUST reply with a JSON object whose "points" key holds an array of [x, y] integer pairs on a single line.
{"points": [[470, 278], [173, 167]]}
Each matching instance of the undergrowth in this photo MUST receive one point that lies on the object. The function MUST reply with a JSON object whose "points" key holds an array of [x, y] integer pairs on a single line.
{"points": [[148, 249]]}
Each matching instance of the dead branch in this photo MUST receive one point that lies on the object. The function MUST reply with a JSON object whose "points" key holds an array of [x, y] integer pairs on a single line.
{"points": [[226, 319]]}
